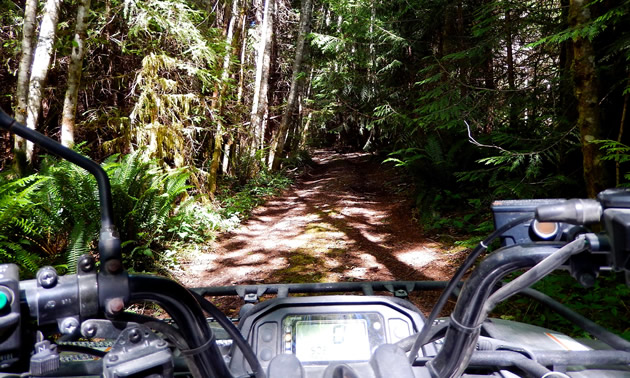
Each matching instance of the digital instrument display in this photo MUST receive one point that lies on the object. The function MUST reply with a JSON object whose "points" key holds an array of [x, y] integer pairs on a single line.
{"points": [[332, 340], [323, 329], [322, 338]]}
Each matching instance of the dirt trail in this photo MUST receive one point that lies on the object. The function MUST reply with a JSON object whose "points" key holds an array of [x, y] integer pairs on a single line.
{"points": [[342, 221]]}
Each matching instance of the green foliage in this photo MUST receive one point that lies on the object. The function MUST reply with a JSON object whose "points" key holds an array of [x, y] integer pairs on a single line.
{"points": [[328, 44], [170, 51], [607, 302], [452, 109], [18, 198], [299, 159], [175, 22], [196, 222], [616, 14], [11, 18], [69, 211], [238, 200], [53, 217], [445, 211], [145, 197], [617, 152], [441, 204]]}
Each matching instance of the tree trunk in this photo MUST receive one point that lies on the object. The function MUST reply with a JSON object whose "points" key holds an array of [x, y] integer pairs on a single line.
{"points": [[510, 70], [225, 165], [74, 76], [24, 71], [218, 136], [240, 45], [586, 93], [216, 156], [304, 134], [278, 145], [261, 85], [567, 103], [624, 112], [243, 47], [240, 139], [41, 63], [300, 138], [372, 64]]}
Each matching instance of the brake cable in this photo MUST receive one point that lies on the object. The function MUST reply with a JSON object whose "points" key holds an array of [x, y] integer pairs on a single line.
{"points": [[459, 274]]}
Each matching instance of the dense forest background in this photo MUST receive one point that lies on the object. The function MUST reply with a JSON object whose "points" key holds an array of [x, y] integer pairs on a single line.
{"points": [[185, 100]]}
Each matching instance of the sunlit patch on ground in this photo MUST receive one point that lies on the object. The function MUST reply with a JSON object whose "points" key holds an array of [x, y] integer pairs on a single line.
{"points": [[337, 223]]}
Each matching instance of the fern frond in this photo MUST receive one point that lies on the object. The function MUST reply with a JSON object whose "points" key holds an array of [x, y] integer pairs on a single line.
{"points": [[78, 245]]}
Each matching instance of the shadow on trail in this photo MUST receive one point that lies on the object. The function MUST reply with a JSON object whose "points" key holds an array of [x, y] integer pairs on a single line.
{"points": [[338, 224]]}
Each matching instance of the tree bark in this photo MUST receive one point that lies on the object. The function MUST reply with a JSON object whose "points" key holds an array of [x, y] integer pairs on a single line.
{"points": [[261, 86], [24, 70], [278, 144], [74, 76], [39, 69], [586, 92]]}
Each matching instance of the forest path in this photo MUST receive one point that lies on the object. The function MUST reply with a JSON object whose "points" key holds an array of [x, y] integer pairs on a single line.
{"points": [[341, 221]]}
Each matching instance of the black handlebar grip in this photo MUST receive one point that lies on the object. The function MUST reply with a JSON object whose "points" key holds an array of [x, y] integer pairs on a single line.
{"points": [[575, 211]]}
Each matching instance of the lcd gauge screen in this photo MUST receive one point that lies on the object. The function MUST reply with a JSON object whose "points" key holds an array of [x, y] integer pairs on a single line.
{"points": [[332, 340]]}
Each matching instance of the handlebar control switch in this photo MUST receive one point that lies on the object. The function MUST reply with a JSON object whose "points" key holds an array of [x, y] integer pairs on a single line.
{"points": [[138, 352], [618, 198], [505, 211], [46, 358], [617, 223], [10, 326]]}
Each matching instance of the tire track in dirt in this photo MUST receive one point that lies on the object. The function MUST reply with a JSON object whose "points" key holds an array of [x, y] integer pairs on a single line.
{"points": [[342, 221]]}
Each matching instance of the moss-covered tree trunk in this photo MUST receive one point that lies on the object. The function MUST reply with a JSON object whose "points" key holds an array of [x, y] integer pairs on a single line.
{"points": [[587, 94], [223, 84]]}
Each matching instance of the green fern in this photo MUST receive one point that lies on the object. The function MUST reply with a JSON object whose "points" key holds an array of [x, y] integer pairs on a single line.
{"points": [[53, 217], [17, 231], [145, 197]]}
